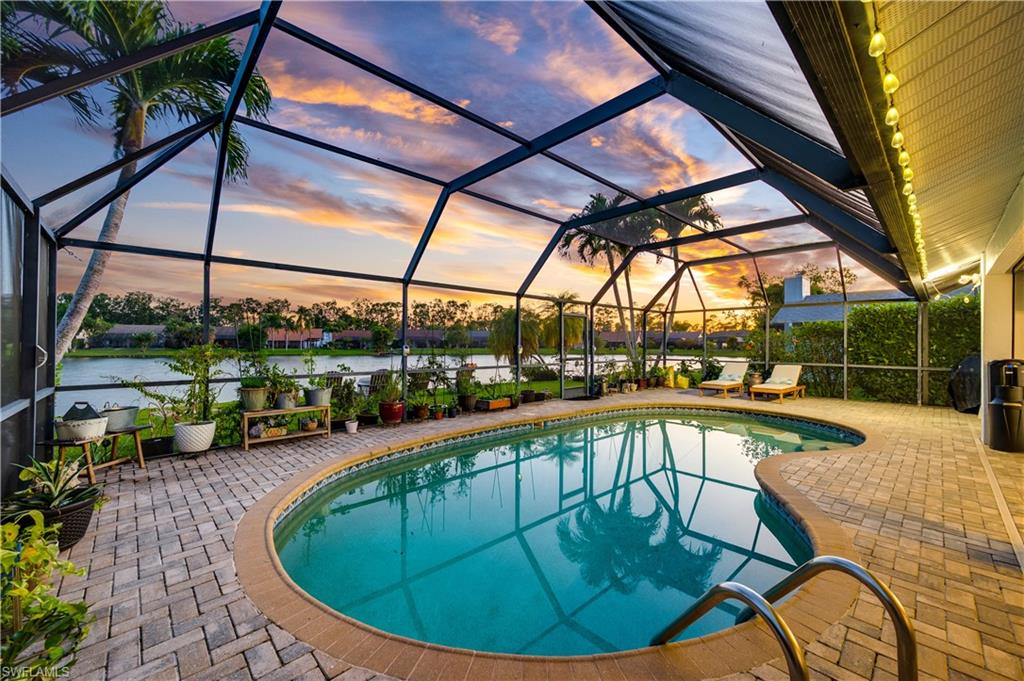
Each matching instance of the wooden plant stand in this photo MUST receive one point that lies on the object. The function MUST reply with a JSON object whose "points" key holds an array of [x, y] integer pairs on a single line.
{"points": [[325, 417], [86, 447]]}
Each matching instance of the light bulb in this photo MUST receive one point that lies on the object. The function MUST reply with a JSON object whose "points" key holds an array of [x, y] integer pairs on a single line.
{"points": [[912, 199], [908, 174], [913, 211], [908, 189], [897, 139], [892, 116], [904, 159], [890, 83], [876, 48]]}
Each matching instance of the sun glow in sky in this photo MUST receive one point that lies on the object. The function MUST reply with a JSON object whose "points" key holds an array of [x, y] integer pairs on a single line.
{"points": [[526, 66]]}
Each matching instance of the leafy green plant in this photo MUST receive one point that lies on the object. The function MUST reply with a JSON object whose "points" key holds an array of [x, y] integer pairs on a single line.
{"points": [[252, 370], [344, 394], [229, 424], [316, 381], [418, 399], [464, 383], [391, 389], [41, 633], [201, 364], [53, 484], [366, 405], [280, 382], [657, 371]]}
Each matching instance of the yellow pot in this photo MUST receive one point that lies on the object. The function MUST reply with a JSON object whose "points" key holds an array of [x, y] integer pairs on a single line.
{"points": [[670, 377], [683, 382]]}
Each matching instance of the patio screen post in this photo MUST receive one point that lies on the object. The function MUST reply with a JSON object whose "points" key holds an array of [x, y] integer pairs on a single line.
{"points": [[846, 350], [920, 356], [924, 361], [403, 340], [28, 384], [767, 336], [664, 340], [561, 349], [643, 344], [518, 351], [206, 324], [704, 339]]}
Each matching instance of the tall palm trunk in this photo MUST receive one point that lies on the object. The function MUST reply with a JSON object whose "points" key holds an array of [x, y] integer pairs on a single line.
{"points": [[632, 315], [131, 140], [618, 303]]}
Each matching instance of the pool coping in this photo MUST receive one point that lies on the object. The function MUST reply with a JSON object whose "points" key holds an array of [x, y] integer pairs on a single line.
{"points": [[809, 612]]}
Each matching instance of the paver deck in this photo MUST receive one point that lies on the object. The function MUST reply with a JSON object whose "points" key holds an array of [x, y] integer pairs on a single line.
{"points": [[928, 509]]}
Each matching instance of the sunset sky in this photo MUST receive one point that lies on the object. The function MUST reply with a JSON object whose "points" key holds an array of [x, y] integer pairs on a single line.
{"points": [[525, 66]]}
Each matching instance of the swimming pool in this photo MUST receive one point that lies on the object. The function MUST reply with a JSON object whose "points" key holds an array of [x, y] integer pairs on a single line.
{"points": [[576, 539]]}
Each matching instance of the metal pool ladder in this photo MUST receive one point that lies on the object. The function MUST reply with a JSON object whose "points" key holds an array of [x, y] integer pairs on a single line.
{"points": [[906, 646]]}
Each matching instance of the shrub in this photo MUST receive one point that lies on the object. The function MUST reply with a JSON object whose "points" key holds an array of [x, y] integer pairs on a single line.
{"points": [[41, 633]]}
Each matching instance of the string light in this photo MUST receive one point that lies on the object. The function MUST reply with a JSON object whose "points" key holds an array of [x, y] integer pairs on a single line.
{"points": [[876, 48]]}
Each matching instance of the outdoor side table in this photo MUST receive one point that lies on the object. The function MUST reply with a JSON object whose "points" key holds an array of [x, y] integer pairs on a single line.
{"points": [[86, 447]]}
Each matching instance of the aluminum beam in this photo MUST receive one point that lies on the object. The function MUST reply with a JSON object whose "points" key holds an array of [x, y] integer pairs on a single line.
{"points": [[664, 198], [721, 234], [103, 171], [830, 212], [150, 168], [615, 275], [246, 67], [631, 99], [77, 81]]}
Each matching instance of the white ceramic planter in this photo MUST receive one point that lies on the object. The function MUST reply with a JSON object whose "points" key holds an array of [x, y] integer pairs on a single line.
{"points": [[194, 437], [351, 426]]}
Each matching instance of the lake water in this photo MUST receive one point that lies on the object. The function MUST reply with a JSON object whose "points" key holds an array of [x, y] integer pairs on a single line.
{"points": [[94, 370]]}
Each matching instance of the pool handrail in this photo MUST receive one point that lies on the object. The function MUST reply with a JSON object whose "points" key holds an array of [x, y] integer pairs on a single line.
{"points": [[906, 644], [756, 603]]}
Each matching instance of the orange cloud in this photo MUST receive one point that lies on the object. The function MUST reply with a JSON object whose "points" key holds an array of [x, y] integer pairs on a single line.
{"points": [[498, 30], [367, 93]]}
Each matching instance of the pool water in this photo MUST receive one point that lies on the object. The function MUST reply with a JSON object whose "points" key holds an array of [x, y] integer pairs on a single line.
{"points": [[575, 540]]}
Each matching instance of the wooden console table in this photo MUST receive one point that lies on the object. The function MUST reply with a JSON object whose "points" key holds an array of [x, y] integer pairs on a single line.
{"points": [[323, 411]]}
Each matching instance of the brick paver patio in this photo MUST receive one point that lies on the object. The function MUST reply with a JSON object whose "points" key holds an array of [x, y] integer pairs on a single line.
{"points": [[918, 504]]}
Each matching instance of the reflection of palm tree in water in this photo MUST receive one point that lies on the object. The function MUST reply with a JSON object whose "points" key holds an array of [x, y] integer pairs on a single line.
{"points": [[614, 547], [608, 544]]}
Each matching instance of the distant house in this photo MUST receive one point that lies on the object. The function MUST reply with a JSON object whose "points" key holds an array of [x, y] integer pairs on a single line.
{"points": [[225, 336], [616, 339], [684, 339], [353, 339], [827, 307], [424, 338], [301, 339], [732, 338], [125, 335]]}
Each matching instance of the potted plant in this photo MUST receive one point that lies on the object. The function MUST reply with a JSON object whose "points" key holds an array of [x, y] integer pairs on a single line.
{"points": [[345, 396], [419, 405], [467, 390], [282, 387], [193, 411], [366, 411], [55, 491], [437, 411], [252, 375], [656, 374], [390, 404], [512, 392], [453, 410], [528, 394], [494, 397], [194, 426], [318, 393]]}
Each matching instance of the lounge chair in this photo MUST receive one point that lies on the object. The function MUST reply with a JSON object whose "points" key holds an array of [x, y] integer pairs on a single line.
{"points": [[377, 380], [730, 379], [785, 380]]}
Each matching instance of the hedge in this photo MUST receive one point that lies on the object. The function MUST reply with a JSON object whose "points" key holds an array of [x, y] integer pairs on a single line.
{"points": [[878, 334]]}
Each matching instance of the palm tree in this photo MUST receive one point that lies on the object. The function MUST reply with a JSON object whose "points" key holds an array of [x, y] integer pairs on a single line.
{"points": [[587, 246], [186, 87]]}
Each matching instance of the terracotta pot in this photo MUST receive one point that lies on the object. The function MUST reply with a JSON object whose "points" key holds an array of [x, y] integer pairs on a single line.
{"points": [[641, 383], [391, 412], [421, 411]]}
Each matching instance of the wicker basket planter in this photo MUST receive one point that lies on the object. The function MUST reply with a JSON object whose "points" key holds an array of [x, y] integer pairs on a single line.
{"points": [[74, 522]]}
